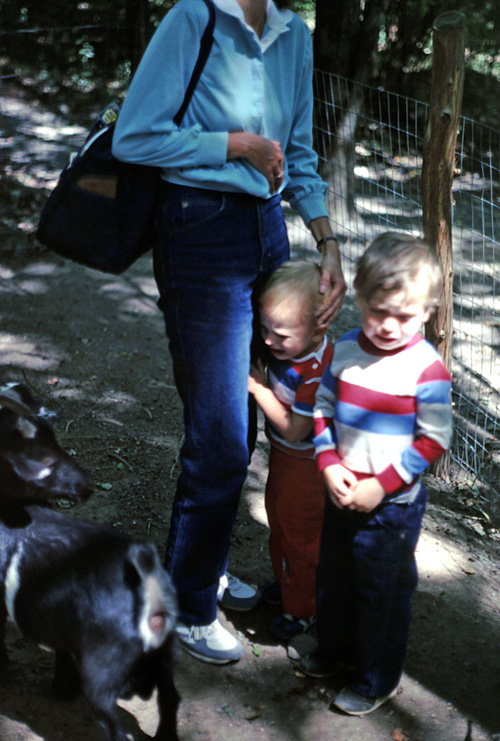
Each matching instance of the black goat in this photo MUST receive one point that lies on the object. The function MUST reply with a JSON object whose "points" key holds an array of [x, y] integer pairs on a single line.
{"points": [[33, 467], [101, 600]]}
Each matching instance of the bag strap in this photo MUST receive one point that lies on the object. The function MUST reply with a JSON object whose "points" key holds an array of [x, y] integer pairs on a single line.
{"points": [[205, 47], [107, 118]]}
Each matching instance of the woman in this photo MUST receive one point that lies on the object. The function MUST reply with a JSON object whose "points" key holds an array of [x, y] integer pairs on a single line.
{"points": [[245, 142]]}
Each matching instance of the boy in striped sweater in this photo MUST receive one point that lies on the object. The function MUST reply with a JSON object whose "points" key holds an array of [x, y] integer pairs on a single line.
{"points": [[382, 416]]}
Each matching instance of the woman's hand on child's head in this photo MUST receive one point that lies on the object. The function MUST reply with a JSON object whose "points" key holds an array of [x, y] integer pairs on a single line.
{"points": [[339, 482], [333, 286], [366, 495]]}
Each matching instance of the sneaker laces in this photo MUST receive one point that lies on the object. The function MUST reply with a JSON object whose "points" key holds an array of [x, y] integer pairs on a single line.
{"points": [[236, 587], [202, 631]]}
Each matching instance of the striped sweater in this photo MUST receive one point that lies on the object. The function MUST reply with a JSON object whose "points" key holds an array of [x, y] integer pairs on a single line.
{"points": [[383, 414], [294, 383]]}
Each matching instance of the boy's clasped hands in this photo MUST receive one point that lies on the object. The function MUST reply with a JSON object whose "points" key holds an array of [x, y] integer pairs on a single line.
{"points": [[346, 491]]}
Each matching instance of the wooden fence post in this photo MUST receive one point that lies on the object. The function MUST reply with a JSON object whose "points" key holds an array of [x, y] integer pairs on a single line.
{"points": [[437, 172]]}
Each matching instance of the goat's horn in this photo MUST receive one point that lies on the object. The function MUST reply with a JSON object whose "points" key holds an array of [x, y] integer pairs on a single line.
{"points": [[10, 398]]}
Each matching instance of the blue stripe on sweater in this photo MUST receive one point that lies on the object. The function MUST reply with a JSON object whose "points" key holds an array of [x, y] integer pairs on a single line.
{"points": [[327, 437], [363, 419], [413, 462], [434, 392]]}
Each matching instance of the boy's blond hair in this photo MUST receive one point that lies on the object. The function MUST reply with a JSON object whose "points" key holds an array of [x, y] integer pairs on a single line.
{"points": [[295, 279], [398, 262]]}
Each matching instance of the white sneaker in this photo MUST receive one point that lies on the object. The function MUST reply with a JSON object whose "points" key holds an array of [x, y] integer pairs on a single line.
{"points": [[235, 595], [212, 643]]}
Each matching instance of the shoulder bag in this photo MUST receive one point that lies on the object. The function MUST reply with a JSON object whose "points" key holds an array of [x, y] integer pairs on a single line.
{"points": [[101, 212]]}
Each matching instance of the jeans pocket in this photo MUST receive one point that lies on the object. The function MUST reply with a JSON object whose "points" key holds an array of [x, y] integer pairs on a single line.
{"points": [[184, 210]]}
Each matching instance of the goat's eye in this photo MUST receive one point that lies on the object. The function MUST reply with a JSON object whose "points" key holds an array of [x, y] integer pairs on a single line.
{"points": [[43, 473], [48, 465]]}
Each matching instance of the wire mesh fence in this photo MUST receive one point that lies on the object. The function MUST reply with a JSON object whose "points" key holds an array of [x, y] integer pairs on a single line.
{"points": [[370, 145]]}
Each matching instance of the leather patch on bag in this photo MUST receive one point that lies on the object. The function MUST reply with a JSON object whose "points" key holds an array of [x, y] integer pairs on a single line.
{"points": [[100, 186]]}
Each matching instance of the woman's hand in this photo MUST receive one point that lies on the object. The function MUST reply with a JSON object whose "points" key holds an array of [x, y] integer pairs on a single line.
{"points": [[331, 283], [263, 154]]}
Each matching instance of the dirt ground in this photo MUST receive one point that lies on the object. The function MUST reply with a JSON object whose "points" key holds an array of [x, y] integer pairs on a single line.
{"points": [[94, 344]]}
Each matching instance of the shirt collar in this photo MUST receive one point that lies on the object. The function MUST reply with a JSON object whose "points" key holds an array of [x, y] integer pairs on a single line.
{"points": [[368, 346], [315, 355], [277, 20]]}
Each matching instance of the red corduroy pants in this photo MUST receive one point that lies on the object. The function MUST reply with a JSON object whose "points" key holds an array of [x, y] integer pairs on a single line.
{"points": [[295, 501]]}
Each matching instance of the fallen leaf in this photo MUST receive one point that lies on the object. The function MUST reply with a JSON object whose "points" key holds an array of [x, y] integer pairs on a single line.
{"points": [[400, 735]]}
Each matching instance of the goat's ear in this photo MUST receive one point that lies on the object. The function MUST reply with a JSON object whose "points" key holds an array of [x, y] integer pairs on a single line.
{"points": [[11, 399], [27, 428]]}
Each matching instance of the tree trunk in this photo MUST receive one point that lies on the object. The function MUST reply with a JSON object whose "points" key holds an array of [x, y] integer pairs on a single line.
{"points": [[437, 172], [342, 28], [337, 112], [337, 25], [138, 30]]}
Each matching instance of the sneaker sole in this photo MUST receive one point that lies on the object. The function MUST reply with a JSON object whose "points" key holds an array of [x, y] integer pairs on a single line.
{"points": [[208, 659]]}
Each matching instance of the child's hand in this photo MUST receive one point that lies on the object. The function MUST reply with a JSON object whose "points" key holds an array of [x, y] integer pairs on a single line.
{"points": [[366, 495], [339, 482], [257, 376]]}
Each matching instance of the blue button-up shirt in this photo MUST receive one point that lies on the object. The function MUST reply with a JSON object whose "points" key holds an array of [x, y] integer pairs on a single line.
{"points": [[260, 85]]}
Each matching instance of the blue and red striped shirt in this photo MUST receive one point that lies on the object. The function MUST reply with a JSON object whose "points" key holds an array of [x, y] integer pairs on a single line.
{"points": [[295, 382], [383, 414]]}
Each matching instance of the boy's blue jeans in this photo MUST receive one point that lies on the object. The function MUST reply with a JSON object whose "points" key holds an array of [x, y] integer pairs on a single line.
{"points": [[213, 249], [366, 577]]}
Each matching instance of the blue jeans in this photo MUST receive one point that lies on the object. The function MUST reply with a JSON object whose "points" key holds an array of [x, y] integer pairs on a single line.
{"points": [[365, 579], [213, 250]]}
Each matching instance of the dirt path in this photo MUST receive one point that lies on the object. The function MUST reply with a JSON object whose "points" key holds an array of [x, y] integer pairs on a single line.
{"points": [[94, 344]]}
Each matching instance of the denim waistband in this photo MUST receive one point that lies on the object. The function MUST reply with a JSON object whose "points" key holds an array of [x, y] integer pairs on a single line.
{"points": [[167, 188]]}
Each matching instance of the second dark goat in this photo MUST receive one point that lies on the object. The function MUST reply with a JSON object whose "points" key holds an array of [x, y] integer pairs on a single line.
{"points": [[33, 467]]}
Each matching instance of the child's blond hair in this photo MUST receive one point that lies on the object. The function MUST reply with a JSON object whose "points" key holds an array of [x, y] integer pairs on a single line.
{"points": [[295, 279], [398, 262]]}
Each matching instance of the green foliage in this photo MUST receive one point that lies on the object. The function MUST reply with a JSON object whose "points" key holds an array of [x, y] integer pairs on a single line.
{"points": [[305, 8], [87, 42], [63, 43]]}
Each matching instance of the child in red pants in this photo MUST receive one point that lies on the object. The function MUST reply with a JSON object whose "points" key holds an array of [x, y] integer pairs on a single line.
{"points": [[295, 494]]}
